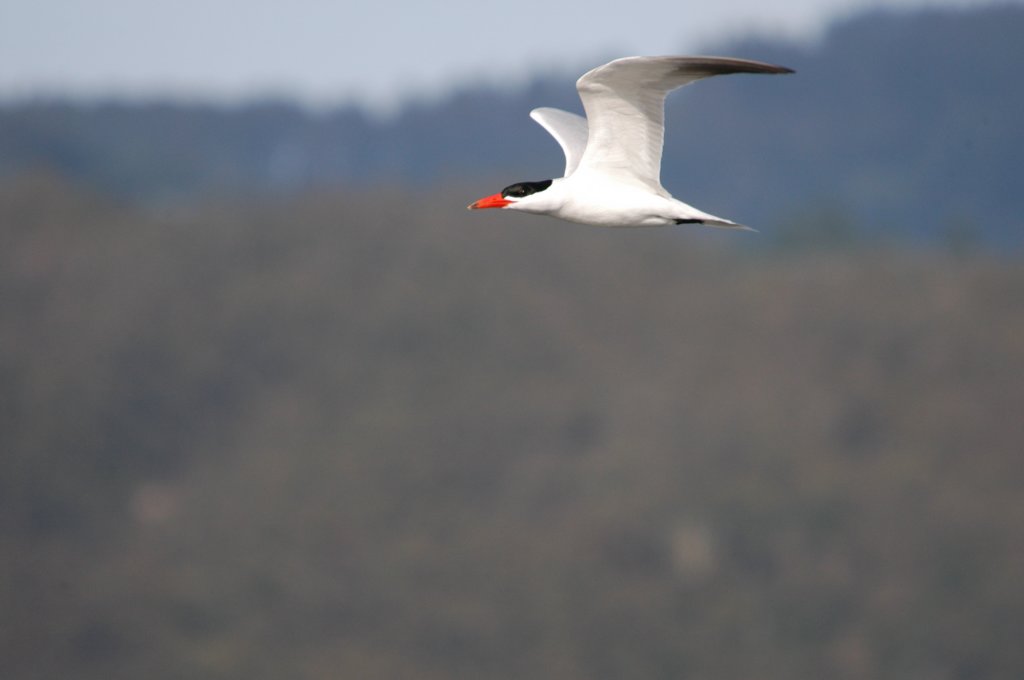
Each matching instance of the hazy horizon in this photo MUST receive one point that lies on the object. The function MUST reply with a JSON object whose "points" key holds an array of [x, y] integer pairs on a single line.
{"points": [[322, 54]]}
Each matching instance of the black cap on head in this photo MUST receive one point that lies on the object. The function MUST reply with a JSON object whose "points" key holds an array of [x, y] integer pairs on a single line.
{"points": [[522, 189]]}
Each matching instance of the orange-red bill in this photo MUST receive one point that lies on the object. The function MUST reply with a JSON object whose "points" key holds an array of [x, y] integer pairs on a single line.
{"points": [[495, 201]]}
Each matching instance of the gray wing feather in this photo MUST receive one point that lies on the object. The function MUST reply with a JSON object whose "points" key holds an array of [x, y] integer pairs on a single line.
{"points": [[568, 129], [625, 105]]}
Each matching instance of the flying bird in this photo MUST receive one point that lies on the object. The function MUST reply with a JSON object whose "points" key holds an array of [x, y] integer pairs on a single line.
{"points": [[613, 156]]}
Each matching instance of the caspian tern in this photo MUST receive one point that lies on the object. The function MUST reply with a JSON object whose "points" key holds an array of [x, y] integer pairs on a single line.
{"points": [[613, 156]]}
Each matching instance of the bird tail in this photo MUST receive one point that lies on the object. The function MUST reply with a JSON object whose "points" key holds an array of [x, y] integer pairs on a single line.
{"points": [[687, 214], [715, 222]]}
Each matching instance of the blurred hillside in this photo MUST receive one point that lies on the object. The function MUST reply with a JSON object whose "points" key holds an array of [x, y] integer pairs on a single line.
{"points": [[908, 125], [366, 435]]}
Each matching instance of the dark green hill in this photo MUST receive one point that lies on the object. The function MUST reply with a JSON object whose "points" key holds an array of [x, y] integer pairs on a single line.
{"points": [[359, 435]]}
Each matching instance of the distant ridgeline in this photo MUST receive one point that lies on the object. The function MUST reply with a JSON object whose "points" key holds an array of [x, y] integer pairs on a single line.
{"points": [[907, 125]]}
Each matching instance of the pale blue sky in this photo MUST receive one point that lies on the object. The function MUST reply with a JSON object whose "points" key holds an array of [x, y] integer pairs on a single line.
{"points": [[373, 52]]}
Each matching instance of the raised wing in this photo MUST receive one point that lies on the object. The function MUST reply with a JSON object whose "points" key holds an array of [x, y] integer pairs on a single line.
{"points": [[625, 105], [568, 129]]}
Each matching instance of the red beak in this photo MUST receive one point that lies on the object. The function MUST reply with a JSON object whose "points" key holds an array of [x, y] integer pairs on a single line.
{"points": [[495, 201]]}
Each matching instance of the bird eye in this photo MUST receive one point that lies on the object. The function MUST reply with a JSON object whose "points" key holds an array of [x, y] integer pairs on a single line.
{"points": [[525, 188]]}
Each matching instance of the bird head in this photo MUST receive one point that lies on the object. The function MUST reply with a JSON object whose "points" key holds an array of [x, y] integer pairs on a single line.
{"points": [[525, 196]]}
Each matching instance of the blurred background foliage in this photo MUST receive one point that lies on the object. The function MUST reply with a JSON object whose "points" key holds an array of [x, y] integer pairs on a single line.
{"points": [[906, 121], [367, 434], [337, 426]]}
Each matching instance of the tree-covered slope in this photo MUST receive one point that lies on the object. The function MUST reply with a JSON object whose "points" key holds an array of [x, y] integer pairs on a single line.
{"points": [[357, 435]]}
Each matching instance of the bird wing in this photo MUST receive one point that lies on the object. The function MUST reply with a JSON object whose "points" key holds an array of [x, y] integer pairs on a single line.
{"points": [[568, 129], [625, 105]]}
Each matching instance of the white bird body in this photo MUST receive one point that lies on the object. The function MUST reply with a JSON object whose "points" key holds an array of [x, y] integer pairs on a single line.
{"points": [[604, 201], [613, 156]]}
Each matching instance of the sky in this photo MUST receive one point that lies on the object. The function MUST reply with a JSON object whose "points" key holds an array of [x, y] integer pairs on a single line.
{"points": [[377, 54]]}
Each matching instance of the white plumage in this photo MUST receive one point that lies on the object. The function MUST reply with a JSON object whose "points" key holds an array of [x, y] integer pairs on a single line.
{"points": [[613, 156]]}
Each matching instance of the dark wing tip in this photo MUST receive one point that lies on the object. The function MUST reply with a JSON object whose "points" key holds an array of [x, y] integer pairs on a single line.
{"points": [[717, 66]]}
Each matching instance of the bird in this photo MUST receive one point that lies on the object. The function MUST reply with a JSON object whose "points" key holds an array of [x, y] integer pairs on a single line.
{"points": [[613, 156]]}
